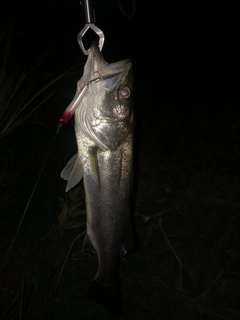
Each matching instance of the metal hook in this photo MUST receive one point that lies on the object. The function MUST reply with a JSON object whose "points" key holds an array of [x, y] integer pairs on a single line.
{"points": [[68, 113], [89, 24], [96, 30]]}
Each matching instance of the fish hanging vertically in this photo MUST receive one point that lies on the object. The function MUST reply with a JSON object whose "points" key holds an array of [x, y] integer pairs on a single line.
{"points": [[104, 125]]}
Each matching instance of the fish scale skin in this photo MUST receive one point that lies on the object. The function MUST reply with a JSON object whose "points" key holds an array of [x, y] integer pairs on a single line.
{"points": [[104, 128], [107, 199]]}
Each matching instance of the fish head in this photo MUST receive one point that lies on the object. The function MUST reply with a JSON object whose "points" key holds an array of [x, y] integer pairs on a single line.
{"points": [[117, 88], [106, 112], [112, 93]]}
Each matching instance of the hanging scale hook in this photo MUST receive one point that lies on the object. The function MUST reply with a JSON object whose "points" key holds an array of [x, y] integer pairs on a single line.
{"points": [[89, 24]]}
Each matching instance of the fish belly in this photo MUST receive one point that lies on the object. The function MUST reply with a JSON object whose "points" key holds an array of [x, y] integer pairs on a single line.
{"points": [[107, 177]]}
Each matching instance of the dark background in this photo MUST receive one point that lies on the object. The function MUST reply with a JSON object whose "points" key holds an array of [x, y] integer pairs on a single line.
{"points": [[157, 35], [187, 161]]}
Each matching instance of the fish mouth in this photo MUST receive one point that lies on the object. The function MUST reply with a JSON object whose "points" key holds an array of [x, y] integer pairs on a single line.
{"points": [[101, 77], [105, 70]]}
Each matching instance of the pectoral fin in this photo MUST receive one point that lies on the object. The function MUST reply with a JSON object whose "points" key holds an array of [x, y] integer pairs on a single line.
{"points": [[72, 172]]}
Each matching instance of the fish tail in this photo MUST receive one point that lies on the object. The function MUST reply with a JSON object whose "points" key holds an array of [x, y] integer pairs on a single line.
{"points": [[108, 295]]}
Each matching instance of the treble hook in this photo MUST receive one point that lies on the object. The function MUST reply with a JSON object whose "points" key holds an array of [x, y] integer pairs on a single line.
{"points": [[89, 24]]}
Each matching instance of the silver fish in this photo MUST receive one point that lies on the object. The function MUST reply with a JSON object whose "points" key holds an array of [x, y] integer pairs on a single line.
{"points": [[104, 125]]}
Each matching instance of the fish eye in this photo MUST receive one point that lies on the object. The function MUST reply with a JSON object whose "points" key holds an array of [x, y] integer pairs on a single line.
{"points": [[124, 92]]}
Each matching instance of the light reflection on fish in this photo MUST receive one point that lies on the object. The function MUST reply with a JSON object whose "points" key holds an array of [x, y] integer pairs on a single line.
{"points": [[104, 132]]}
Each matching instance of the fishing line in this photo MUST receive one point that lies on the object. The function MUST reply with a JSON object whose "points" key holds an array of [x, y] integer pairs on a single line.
{"points": [[31, 195]]}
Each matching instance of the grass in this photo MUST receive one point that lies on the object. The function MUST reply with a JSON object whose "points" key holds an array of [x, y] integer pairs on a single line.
{"points": [[174, 270], [22, 92], [186, 213]]}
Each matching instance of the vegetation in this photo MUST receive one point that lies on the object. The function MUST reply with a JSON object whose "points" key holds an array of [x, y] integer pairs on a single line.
{"points": [[186, 210]]}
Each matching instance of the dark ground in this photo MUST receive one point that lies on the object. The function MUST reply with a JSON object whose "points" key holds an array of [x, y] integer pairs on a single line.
{"points": [[187, 183]]}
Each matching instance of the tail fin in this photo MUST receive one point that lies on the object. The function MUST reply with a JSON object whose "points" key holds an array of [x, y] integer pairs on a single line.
{"points": [[108, 295]]}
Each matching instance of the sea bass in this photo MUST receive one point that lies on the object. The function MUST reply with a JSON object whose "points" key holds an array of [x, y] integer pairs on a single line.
{"points": [[104, 125]]}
